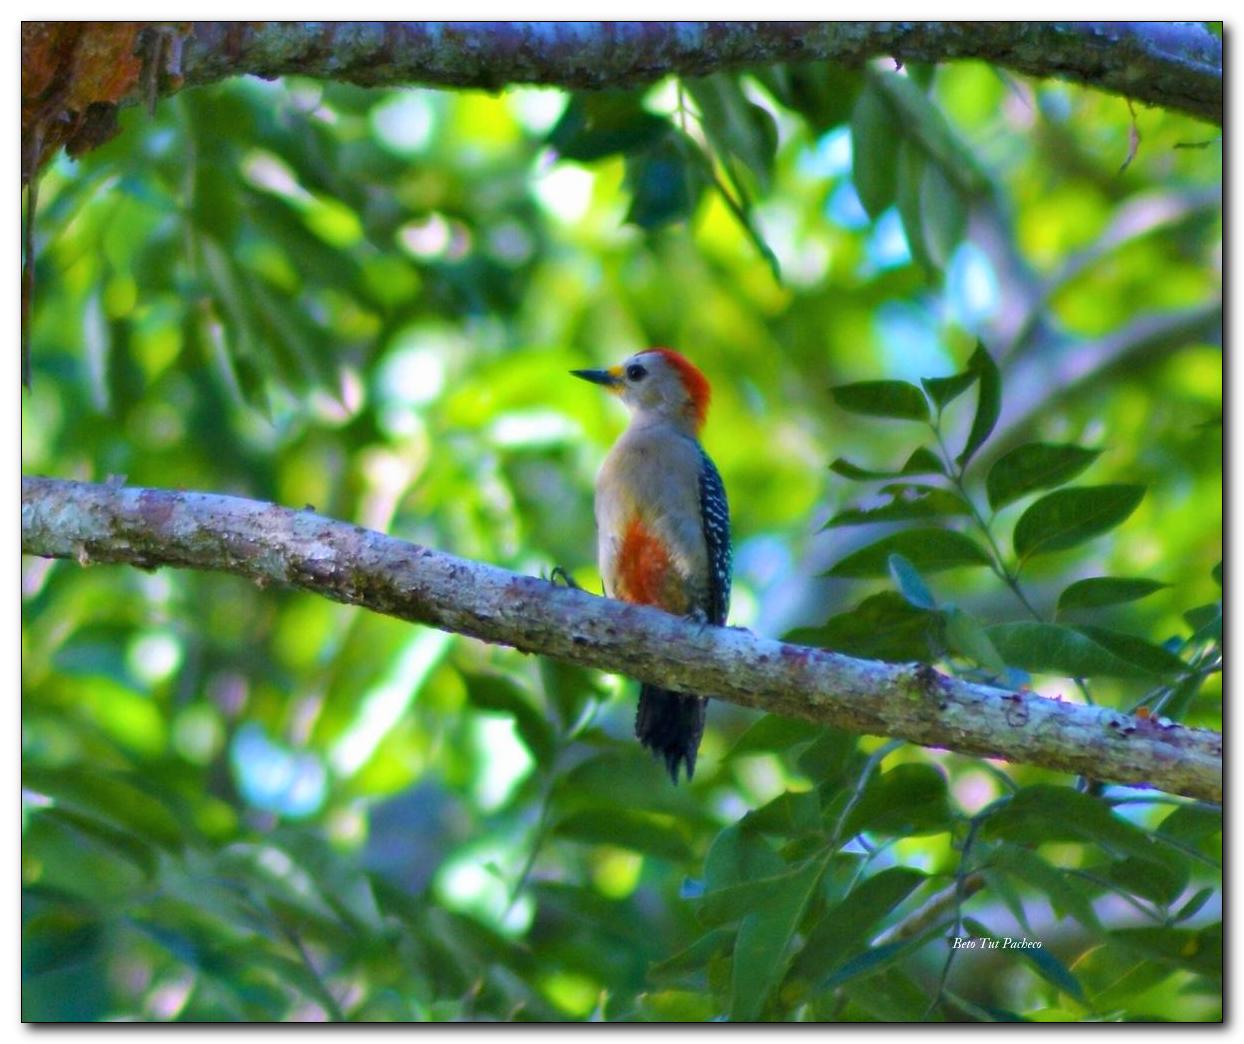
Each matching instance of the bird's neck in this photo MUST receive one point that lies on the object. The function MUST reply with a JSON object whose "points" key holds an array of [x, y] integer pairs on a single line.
{"points": [[650, 420]]}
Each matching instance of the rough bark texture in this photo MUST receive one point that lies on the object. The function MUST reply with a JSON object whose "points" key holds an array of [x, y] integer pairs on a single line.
{"points": [[270, 544], [1172, 65], [75, 75]]}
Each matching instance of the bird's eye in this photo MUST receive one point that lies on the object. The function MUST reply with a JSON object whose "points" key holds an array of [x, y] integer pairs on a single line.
{"points": [[635, 372]]}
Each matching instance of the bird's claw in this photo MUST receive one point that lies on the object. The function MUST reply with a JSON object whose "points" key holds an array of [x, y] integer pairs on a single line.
{"points": [[560, 575]]}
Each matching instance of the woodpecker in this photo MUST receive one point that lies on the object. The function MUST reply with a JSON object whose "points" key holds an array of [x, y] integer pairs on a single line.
{"points": [[663, 525]]}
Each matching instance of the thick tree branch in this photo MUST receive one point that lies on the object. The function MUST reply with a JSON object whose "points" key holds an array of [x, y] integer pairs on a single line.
{"points": [[1177, 66], [266, 543]]}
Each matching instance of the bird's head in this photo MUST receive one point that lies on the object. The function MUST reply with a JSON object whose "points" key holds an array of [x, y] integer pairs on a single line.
{"points": [[657, 382]]}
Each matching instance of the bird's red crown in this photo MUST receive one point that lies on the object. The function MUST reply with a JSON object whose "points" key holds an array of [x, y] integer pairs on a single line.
{"points": [[698, 389]]}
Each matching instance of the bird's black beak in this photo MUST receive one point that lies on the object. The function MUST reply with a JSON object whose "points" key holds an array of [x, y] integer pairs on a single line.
{"points": [[609, 378]]}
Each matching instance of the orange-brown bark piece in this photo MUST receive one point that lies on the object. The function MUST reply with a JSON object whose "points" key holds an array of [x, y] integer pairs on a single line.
{"points": [[74, 74]]}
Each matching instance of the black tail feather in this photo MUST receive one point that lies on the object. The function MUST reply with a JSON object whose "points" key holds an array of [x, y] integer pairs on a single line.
{"points": [[670, 725]]}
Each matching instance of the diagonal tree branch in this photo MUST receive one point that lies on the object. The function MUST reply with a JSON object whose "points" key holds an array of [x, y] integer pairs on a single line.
{"points": [[346, 563]]}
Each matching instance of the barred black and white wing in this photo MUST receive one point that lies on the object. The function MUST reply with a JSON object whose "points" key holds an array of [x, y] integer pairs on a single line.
{"points": [[669, 723], [715, 517]]}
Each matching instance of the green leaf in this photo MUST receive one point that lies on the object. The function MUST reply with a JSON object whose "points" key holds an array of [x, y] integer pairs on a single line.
{"points": [[1045, 813], [59, 937], [110, 796], [924, 123], [1034, 466], [944, 390], [1206, 622], [854, 920], [735, 125], [875, 959], [884, 626], [1196, 951], [1065, 894], [906, 501], [567, 688], [664, 183], [1192, 825], [823, 93], [791, 814], [945, 214], [1144, 655], [909, 175], [1184, 692], [890, 995], [1044, 963], [1002, 887], [626, 828], [929, 550], [676, 1006], [922, 462], [737, 855], [967, 637], [761, 951], [730, 904], [1047, 648], [988, 401], [694, 957], [830, 758], [770, 734], [1067, 518], [906, 800], [124, 842], [875, 134], [910, 583], [1098, 591], [894, 399], [1193, 906], [499, 692], [1159, 882], [601, 123], [1216, 573]]}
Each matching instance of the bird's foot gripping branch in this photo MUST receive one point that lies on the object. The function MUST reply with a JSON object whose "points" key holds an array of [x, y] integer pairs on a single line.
{"points": [[266, 543]]}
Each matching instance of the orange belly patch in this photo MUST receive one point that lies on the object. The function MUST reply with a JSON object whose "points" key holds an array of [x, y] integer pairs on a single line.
{"points": [[645, 571]]}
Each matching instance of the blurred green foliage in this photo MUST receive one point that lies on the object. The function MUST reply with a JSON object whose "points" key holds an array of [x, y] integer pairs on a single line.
{"points": [[246, 804]]}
